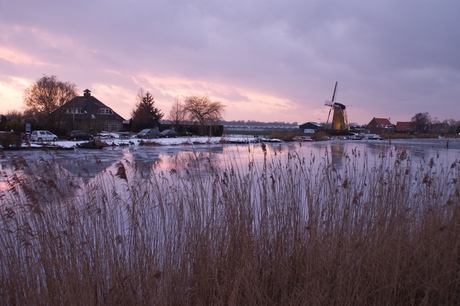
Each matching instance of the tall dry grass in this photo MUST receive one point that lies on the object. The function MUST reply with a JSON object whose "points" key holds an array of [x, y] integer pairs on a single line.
{"points": [[293, 231]]}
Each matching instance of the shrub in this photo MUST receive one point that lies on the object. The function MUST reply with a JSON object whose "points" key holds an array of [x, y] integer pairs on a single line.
{"points": [[286, 136], [8, 140], [320, 136]]}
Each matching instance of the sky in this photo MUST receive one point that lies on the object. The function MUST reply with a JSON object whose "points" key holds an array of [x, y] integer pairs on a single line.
{"points": [[265, 60]]}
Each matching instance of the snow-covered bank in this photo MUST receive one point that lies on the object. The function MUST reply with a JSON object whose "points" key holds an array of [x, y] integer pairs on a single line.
{"points": [[67, 144]]}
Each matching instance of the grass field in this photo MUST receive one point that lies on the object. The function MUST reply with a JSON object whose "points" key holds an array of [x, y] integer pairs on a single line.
{"points": [[284, 232]]}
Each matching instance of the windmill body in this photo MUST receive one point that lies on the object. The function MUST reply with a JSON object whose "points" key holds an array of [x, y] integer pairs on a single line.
{"points": [[339, 123]]}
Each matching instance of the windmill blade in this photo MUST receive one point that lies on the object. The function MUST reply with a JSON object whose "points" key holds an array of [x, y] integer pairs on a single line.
{"points": [[346, 120], [328, 116], [335, 91], [328, 103]]}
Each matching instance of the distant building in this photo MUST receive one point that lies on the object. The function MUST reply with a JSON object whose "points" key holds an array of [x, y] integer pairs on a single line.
{"points": [[379, 126], [89, 114], [440, 128], [310, 127], [405, 127]]}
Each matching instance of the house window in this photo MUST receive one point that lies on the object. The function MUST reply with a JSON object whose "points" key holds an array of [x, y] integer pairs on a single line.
{"points": [[74, 111], [105, 111]]}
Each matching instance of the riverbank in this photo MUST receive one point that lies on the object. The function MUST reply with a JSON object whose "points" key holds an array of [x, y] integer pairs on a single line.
{"points": [[107, 142], [418, 136]]}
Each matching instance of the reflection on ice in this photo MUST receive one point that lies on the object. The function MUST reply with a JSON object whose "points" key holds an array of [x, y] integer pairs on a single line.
{"points": [[201, 160]]}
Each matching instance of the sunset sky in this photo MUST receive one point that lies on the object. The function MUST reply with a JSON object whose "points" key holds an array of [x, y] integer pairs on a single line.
{"points": [[266, 60]]}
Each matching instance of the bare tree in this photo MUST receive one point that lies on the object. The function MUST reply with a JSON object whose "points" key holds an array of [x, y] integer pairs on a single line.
{"points": [[145, 114], [451, 125], [177, 114], [422, 122], [203, 110], [44, 97]]}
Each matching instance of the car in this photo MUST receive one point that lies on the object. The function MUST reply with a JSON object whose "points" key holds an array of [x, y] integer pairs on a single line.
{"points": [[168, 134], [186, 133], [105, 134], [42, 136], [149, 133], [79, 135]]}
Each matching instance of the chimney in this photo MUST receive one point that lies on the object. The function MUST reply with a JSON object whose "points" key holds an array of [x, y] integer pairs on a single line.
{"points": [[86, 93]]}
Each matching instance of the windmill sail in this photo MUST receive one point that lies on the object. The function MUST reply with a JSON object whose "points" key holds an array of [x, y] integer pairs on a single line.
{"points": [[335, 90]]}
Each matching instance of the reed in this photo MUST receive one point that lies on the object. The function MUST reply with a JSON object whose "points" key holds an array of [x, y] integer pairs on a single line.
{"points": [[287, 231]]}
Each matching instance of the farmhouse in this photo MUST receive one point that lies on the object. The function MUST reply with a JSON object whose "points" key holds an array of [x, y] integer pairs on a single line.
{"points": [[89, 114]]}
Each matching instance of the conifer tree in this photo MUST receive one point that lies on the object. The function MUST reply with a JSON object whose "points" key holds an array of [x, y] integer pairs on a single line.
{"points": [[145, 114]]}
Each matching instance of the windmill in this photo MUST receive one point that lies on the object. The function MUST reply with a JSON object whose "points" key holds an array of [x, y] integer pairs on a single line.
{"points": [[339, 122]]}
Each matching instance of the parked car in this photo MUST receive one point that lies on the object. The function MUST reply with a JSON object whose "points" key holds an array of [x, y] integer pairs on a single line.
{"points": [[79, 135], [105, 134], [168, 134], [148, 133], [42, 136]]}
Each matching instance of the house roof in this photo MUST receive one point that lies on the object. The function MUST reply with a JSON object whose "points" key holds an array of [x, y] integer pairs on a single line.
{"points": [[89, 104], [311, 123], [381, 122], [402, 126]]}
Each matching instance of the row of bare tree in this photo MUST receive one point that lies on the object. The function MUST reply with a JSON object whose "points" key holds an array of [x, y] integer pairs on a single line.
{"points": [[423, 123], [193, 109]]}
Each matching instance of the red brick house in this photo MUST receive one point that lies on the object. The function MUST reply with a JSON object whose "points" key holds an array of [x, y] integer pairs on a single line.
{"points": [[405, 127], [379, 126]]}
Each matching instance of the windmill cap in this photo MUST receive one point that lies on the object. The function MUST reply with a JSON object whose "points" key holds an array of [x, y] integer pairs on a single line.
{"points": [[337, 104]]}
